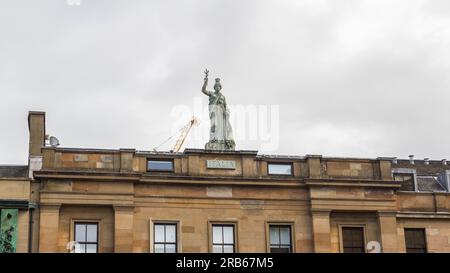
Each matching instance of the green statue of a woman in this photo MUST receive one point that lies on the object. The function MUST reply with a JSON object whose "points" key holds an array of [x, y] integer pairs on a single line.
{"points": [[220, 134]]}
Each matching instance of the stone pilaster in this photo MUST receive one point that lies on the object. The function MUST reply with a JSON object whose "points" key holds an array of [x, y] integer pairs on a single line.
{"points": [[388, 231], [321, 231], [123, 228], [49, 228]]}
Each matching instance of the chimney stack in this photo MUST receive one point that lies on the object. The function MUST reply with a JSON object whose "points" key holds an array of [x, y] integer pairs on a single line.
{"points": [[394, 160], [426, 161], [36, 127], [411, 159], [444, 161]]}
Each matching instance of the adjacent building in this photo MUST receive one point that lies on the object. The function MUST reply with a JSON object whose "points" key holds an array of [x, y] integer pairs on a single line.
{"points": [[124, 200]]}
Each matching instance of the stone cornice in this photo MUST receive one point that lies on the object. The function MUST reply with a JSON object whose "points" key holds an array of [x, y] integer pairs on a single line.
{"points": [[424, 193], [24, 179], [341, 182], [15, 203], [167, 179], [321, 212], [87, 174], [81, 150], [424, 215], [238, 181], [213, 180]]}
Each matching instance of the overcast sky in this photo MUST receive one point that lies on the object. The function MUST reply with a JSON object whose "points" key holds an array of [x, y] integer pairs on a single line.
{"points": [[350, 78]]}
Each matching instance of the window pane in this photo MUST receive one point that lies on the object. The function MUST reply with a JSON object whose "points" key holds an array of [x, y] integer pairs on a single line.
{"points": [[91, 233], [80, 232], [285, 234], [80, 248], [217, 249], [398, 177], [156, 165], [353, 239], [415, 240], [228, 236], [91, 248], [274, 235], [408, 177], [284, 169], [407, 181], [170, 234], [159, 233], [170, 248], [228, 249], [159, 248], [217, 235]]}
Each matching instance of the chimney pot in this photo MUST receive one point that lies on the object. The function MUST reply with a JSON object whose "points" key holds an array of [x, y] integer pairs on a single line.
{"points": [[444, 161], [411, 159], [426, 161], [394, 160]]}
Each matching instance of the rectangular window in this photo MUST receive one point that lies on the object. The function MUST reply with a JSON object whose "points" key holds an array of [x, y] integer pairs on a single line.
{"points": [[165, 238], [159, 165], [353, 239], [279, 168], [86, 237], [280, 239], [415, 240], [406, 180], [223, 239]]}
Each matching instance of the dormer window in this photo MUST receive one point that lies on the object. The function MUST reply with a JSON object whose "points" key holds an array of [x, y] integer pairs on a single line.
{"points": [[279, 168], [160, 165], [407, 178], [406, 181]]}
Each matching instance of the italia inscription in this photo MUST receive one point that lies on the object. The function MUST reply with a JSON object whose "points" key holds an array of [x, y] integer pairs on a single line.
{"points": [[221, 164]]}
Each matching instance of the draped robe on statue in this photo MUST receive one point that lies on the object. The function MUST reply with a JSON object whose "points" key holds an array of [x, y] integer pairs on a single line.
{"points": [[221, 134]]}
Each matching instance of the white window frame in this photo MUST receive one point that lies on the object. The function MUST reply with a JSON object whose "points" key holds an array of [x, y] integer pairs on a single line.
{"points": [[74, 222], [290, 164], [177, 224], [230, 222], [286, 224]]}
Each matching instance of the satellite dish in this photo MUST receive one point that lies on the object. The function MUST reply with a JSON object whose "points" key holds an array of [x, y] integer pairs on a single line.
{"points": [[54, 142]]}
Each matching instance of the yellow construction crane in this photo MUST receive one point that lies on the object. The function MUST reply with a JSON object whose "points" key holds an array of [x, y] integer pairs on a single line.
{"points": [[183, 133]]}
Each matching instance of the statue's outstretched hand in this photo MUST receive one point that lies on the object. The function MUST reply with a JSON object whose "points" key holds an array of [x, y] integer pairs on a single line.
{"points": [[206, 75]]}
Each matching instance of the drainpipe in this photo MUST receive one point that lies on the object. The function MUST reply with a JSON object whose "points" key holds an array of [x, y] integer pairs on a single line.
{"points": [[30, 230]]}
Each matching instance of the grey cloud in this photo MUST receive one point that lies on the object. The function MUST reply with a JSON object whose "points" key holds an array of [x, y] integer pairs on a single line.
{"points": [[352, 78]]}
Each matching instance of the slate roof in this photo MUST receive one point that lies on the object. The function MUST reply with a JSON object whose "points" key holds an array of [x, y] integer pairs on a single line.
{"points": [[13, 171], [429, 184], [434, 168]]}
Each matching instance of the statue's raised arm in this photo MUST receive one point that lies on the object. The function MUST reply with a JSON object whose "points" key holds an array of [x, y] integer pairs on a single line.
{"points": [[205, 83]]}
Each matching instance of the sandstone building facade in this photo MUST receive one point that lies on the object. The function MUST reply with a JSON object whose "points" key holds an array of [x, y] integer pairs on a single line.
{"points": [[96, 200]]}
